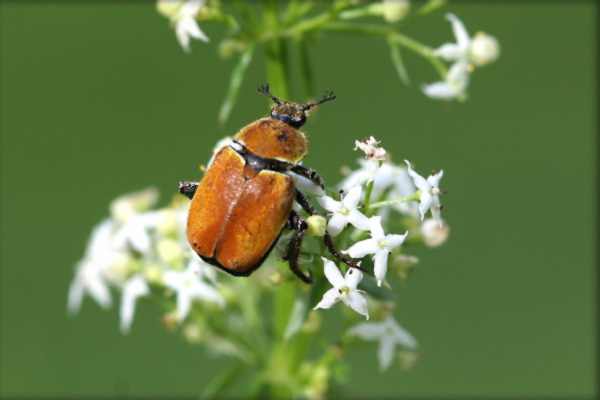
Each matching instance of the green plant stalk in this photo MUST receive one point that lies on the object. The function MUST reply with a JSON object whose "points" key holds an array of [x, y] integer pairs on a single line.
{"points": [[403, 199]]}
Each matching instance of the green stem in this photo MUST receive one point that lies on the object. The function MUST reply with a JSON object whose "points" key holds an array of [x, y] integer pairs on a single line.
{"points": [[276, 53], [394, 37], [404, 199], [367, 203]]}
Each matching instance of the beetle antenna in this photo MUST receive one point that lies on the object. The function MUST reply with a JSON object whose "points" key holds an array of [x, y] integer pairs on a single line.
{"points": [[328, 96], [266, 91]]}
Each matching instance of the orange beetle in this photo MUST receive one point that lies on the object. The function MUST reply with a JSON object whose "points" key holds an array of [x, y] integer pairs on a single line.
{"points": [[245, 199]]}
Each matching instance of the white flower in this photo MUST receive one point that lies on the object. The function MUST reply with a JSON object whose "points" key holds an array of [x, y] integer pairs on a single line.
{"points": [[371, 148], [380, 245], [188, 287], [429, 191], [183, 17], [434, 232], [453, 87], [88, 280], [384, 177], [135, 233], [480, 50], [305, 185], [133, 289], [389, 334], [127, 206], [90, 277], [345, 211], [344, 289]]}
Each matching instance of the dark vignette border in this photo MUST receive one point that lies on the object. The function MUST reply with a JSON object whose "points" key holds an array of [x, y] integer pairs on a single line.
{"points": [[596, 232]]}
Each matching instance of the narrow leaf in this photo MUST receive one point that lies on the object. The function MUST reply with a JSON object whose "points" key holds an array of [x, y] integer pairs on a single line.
{"points": [[297, 317], [431, 6], [235, 82], [306, 70], [398, 63], [217, 386]]}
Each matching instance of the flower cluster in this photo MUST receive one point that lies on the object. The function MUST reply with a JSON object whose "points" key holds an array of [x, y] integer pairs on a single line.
{"points": [[137, 250], [141, 251], [466, 54], [267, 23]]}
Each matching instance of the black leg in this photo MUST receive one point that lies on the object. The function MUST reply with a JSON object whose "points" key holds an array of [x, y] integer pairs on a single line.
{"points": [[299, 226], [188, 188], [327, 239], [309, 174]]}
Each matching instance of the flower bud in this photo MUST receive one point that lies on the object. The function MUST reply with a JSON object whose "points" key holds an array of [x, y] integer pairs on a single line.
{"points": [[435, 232], [316, 225], [167, 222], [169, 8], [170, 252], [484, 49], [391, 10], [153, 274]]}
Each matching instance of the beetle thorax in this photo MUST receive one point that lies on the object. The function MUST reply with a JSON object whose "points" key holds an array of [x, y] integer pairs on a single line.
{"points": [[274, 139]]}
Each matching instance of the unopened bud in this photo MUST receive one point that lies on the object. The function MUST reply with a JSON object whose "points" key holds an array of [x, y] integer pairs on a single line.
{"points": [[391, 10], [316, 225], [170, 252], [484, 49], [435, 232]]}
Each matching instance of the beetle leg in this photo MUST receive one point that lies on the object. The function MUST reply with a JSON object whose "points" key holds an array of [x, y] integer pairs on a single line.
{"points": [[327, 239], [309, 174], [299, 226], [188, 188]]}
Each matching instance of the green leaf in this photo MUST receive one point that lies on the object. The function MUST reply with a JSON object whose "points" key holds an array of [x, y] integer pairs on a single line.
{"points": [[396, 57], [431, 6], [235, 82], [297, 317]]}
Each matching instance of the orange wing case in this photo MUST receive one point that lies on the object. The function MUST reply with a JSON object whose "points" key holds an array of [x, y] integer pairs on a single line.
{"points": [[237, 214]]}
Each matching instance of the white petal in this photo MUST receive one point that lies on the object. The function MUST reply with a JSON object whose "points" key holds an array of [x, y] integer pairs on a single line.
{"points": [[75, 297], [353, 277], [420, 182], [367, 330], [381, 261], [329, 204], [351, 199], [358, 220], [305, 185], [436, 209], [362, 248], [355, 300], [173, 279], [99, 291], [458, 76], [184, 304], [434, 180], [425, 204], [440, 90], [450, 52], [376, 228], [333, 274], [182, 37], [206, 292], [460, 32], [401, 335], [336, 224], [133, 289], [329, 299], [393, 241], [191, 7], [190, 26], [386, 352]]}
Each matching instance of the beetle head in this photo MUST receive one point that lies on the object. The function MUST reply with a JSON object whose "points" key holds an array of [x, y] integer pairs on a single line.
{"points": [[293, 114]]}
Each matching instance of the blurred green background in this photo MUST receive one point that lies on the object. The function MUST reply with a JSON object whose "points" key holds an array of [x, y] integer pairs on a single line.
{"points": [[98, 99]]}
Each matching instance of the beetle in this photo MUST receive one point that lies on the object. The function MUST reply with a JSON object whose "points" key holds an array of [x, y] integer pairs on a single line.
{"points": [[245, 199]]}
